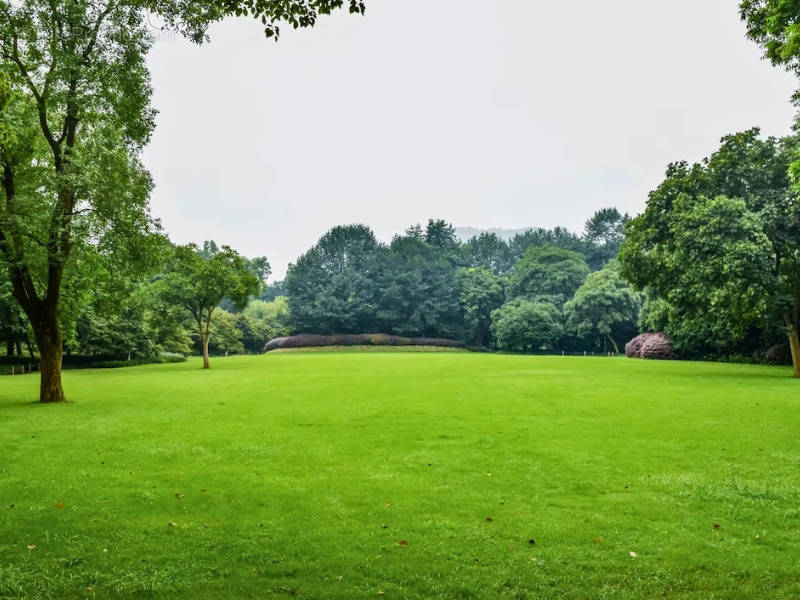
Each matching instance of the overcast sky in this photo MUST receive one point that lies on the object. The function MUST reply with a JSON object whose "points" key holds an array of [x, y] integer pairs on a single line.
{"points": [[509, 113]]}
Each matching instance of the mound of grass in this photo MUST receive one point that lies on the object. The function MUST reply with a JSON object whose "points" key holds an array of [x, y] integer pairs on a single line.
{"points": [[406, 475]]}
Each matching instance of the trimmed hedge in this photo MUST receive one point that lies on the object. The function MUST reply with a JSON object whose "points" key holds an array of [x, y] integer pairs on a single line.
{"points": [[654, 346], [310, 340]]}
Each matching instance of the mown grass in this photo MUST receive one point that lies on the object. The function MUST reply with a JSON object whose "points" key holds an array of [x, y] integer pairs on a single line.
{"points": [[299, 475]]}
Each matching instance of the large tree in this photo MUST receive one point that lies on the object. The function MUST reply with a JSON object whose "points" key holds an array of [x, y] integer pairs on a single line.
{"points": [[74, 115], [331, 287], [605, 306], [719, 241], [548, 273], [480, 292], [527, 326]]}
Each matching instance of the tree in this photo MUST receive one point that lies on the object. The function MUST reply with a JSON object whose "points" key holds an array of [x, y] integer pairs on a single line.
{"points": [[558, 237], [331, 287], [441, 235], [74, 115], [490, 251], [525, 326], [603, 234], [480, 293], [774, 25], [547, 273], [416, 288], [200, 284], [720, 241], [605, 306]]}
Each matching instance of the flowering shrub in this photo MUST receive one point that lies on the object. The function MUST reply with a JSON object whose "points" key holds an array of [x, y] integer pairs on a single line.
{"points": [[309, 340], [634, 347], [655, 346]]}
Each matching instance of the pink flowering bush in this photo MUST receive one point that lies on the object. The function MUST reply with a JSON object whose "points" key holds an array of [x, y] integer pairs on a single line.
{"points": [[654, 346]]}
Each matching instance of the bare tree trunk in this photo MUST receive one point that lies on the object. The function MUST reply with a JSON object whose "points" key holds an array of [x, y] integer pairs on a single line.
{"points": [[48, 338], [613, 343], [206, 364], [794, 344]]}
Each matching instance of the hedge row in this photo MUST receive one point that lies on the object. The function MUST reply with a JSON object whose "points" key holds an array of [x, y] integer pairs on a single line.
{"points": [[309, 340]]}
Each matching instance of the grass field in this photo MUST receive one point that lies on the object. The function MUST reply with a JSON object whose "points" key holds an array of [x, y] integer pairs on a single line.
{"points": [[381, 475]]}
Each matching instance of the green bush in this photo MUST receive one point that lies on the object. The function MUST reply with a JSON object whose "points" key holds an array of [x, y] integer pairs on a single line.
{"points": [[527, 326]]}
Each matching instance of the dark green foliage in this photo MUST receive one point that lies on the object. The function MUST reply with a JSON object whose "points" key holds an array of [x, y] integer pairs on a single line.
{"points": [[558, 237], [331, 288], [480, 293], [527, 326], [417, 289], [488, 250], [603, 234], [718, 246], [548, 273]]}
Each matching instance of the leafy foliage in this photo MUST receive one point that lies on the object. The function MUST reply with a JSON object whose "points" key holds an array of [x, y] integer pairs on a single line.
{"points": [[605, 306], [527, 326], [719, 242], [199, 282], [548, 273]]}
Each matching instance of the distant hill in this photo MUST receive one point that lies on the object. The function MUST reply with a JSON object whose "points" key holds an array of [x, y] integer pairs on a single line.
{"points": [[466, 233]]}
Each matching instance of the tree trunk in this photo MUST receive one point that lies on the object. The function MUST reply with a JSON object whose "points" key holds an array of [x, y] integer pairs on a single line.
{"points": [[48, 338], [613, 343], [794, 345], [206, 365]]}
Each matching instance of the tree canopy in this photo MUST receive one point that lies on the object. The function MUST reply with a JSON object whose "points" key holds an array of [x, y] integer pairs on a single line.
{"points": [[719, 241], [200, 283]]}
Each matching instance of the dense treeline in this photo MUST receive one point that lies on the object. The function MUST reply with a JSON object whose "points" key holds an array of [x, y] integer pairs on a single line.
{"points": [[144, 316], [517, 294]]}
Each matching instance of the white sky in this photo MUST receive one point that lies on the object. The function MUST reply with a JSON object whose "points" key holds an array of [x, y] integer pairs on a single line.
{"points": [[509, 113]]}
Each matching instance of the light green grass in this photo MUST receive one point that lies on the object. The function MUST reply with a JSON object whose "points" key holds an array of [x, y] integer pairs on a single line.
{"points": [[298, 474]]}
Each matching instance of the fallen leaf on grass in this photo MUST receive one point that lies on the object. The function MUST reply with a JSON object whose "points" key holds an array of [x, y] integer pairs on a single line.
{"points": [[716, 525], [388, 504], [402, 543], [59, 505], [597, 540], [490, 519]]}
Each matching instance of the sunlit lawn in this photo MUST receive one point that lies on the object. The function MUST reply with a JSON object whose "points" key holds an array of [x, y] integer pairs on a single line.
{"points": [[403, 475]]}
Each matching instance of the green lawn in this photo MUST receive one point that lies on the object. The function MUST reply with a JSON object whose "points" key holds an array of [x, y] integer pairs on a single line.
{"points": [[403, 475]]}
